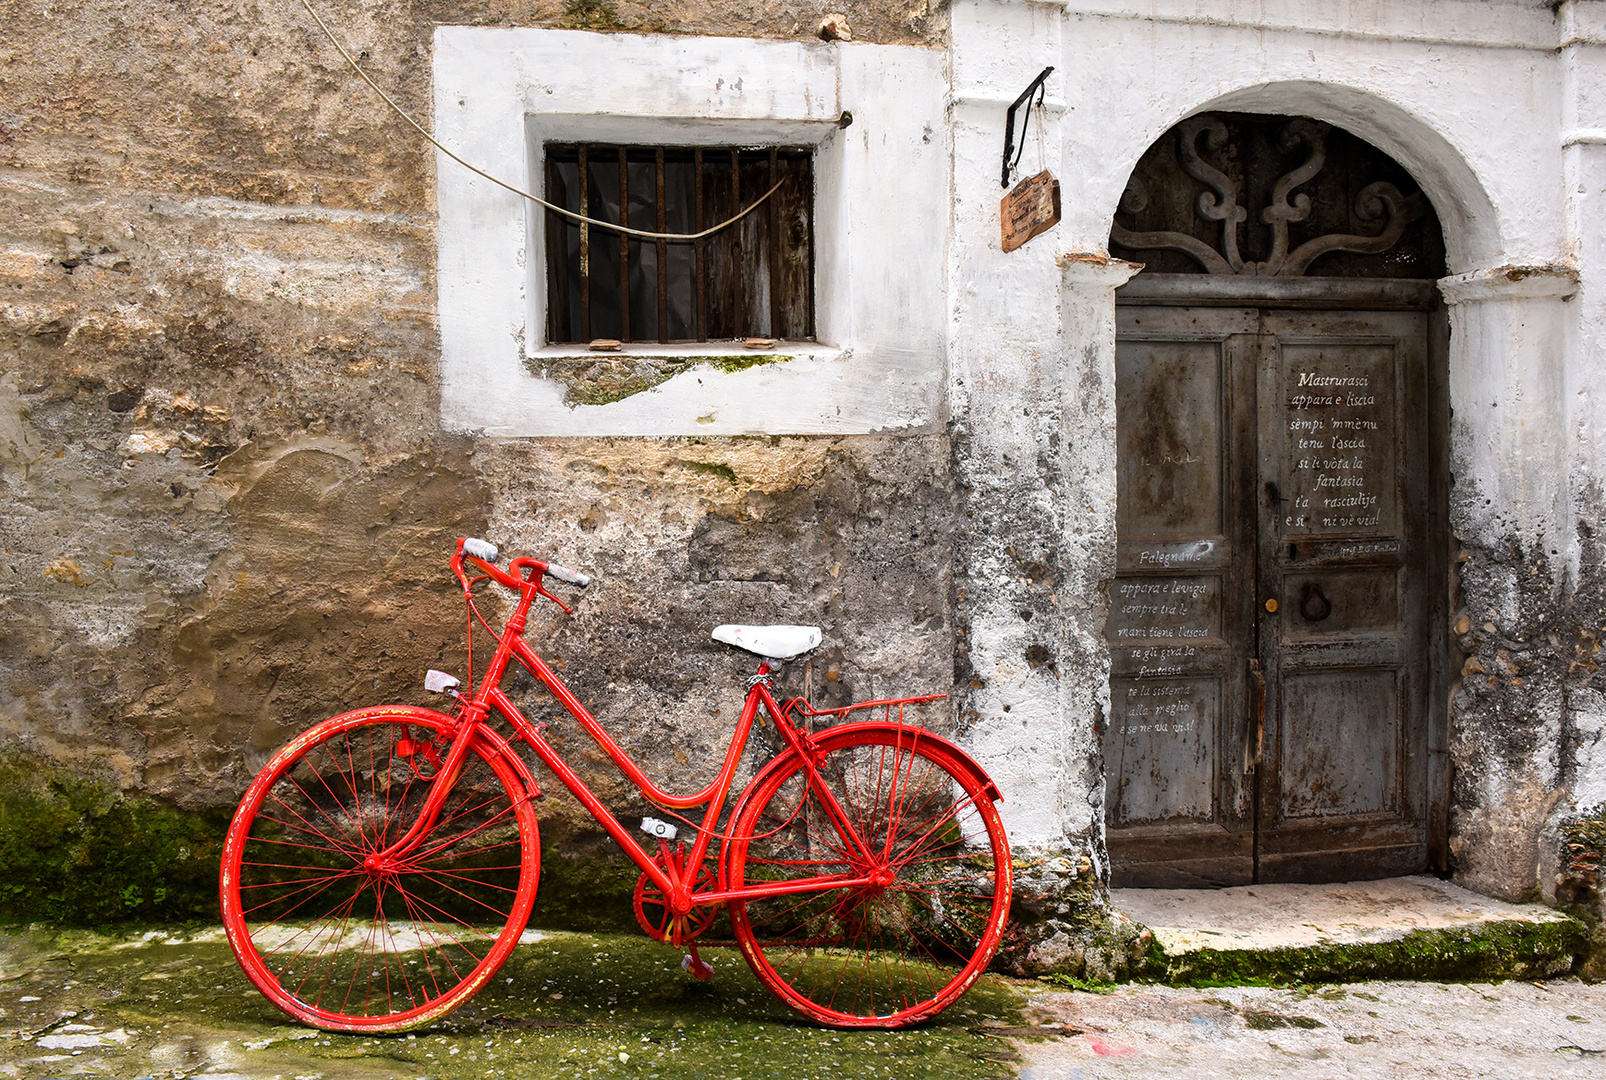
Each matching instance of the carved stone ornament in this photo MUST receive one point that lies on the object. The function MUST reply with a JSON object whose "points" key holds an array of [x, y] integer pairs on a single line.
{"points": [[1199, 136]]}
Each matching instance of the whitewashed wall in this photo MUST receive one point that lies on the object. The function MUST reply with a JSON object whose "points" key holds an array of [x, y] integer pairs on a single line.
{"points": [[1497, 109]]}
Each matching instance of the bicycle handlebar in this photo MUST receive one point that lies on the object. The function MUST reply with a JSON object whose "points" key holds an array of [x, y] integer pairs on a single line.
{"points": [[573, 577], [524, 571]]}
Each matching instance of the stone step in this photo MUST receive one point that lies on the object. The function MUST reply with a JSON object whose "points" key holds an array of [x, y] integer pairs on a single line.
{"points": [[1399, 928]]}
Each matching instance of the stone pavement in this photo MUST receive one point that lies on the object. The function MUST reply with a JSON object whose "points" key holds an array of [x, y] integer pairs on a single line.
{"points": [[1373, 1030], [164, 1004], [1507, 1025]]}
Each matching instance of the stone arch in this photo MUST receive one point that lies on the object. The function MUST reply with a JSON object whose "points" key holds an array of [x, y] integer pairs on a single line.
{"points": [[1467, 214]]}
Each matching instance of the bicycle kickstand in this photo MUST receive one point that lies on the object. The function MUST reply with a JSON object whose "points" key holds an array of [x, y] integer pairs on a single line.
{"points": [[696, 965]]}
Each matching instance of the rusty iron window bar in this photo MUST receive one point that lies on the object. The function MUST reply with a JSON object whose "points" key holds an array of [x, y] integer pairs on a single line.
{"points": [[753, 279]]}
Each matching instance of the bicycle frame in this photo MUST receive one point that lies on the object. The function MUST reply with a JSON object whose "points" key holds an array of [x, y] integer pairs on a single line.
{"points": [[473, 714], [864, 868]]}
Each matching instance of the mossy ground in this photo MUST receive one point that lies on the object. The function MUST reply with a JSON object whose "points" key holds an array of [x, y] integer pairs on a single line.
{"points": [[565, 1005]]}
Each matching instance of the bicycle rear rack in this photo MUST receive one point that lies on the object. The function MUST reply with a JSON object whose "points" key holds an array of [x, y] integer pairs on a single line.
{"points": [[801, 707]]}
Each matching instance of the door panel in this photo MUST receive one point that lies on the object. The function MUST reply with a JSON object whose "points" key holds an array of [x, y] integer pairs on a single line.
{"points": [[1173, 458], [1273, 480], [1179, 617], [1339, 440], [1340, 744], [1341, 545], [1168, 732]]}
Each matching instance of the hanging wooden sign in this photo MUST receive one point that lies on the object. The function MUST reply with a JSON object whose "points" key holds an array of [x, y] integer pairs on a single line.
{"points": [[1031, 207]]}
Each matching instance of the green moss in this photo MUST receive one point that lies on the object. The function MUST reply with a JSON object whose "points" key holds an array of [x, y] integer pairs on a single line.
{"points": [[603, 378], [1258, 1020], [714, 468], [1498, 951], [590, 15], [732, 364], [593, 893], [564, 1004], [1071, 982], [80, 853]]}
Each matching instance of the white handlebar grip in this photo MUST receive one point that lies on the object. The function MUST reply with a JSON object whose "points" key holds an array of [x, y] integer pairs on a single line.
{"points": [[573, 577], [480, 549]]}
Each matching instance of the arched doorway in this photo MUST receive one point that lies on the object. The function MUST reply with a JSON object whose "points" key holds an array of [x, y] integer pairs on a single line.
{"points": [[1277, 625]]}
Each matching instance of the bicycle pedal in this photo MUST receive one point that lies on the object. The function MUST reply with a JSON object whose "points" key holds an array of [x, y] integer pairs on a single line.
{"points": [[697, 966], [663, 830]]}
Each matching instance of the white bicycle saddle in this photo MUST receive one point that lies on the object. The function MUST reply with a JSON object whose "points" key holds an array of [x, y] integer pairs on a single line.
{"points": [[771, 642]]}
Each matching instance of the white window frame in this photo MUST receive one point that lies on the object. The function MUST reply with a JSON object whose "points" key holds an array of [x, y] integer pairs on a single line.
{"points": [[881, 216]]}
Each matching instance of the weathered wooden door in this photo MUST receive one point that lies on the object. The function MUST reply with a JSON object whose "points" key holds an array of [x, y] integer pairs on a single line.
{"points": [[1279, 596]]}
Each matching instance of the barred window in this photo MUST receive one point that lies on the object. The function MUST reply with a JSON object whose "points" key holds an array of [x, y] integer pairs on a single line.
{"points": [[754, 278]]}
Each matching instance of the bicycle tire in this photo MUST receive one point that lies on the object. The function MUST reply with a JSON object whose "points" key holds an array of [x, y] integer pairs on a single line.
{"points": [[891, 954], [346, 946]]}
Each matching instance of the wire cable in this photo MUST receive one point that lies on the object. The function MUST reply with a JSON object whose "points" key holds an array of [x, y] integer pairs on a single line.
{"points": [[416, 126]]}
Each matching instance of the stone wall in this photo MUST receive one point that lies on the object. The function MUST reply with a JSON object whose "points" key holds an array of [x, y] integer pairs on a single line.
{"points": [[228, 499]]}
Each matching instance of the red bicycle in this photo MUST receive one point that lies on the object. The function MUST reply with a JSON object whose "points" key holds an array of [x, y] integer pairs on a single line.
{"points": [[381, 867]]}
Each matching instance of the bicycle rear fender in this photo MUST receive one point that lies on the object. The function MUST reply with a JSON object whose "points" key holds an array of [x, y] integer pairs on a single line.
{"points": [[972, 768], [494, 743]]}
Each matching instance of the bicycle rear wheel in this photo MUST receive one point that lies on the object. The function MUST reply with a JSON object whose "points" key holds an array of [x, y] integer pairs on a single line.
{"points": [[345, 943], [904, 947]]}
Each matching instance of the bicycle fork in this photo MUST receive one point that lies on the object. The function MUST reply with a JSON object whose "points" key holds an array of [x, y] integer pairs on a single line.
{"points": [[393, 858]]}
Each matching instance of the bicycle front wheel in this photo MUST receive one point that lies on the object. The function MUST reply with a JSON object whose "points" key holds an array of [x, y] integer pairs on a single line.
{"points": [[906, 945], [346, 941]]}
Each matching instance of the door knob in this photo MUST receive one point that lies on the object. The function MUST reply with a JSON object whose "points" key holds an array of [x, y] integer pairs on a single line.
{"points": [[1271, 606]]}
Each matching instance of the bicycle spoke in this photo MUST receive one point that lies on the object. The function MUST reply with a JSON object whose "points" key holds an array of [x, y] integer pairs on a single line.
{"points": [[311, 894], [307, 826]]}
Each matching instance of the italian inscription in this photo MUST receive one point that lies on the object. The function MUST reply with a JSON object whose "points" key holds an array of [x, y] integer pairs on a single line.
{"points": [[1164, 608], [1191, 553], [1161, 708], [1340, 440], [1161, 749]]}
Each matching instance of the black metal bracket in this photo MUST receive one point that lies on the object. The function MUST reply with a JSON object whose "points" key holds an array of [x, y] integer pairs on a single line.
{"points": [[1010, 149]]}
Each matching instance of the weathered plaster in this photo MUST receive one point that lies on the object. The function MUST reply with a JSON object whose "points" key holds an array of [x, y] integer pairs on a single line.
{"points": [[852, 535]]}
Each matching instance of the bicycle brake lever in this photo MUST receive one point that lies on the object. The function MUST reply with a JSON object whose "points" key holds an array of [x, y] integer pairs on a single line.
{"points": [[541, 591]]}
